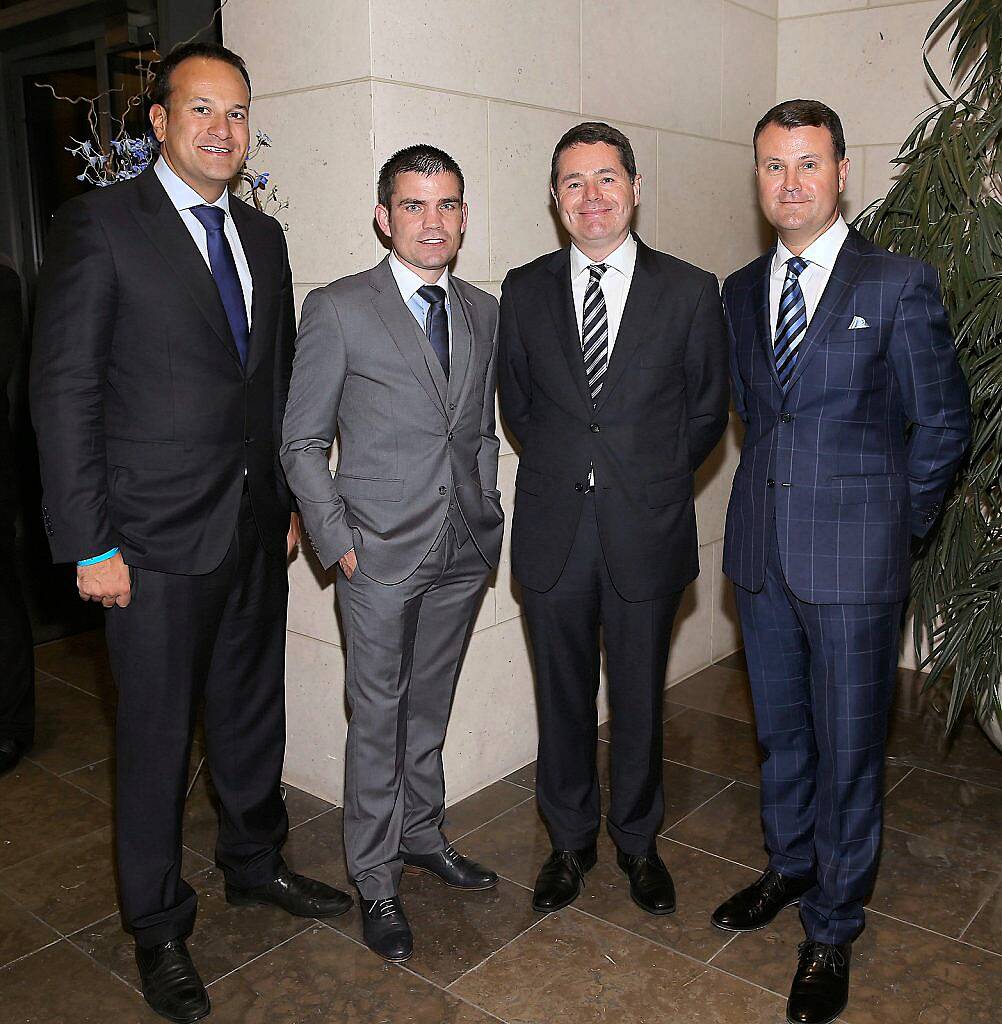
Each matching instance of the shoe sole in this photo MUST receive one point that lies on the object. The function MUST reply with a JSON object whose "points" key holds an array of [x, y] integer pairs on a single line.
{"points": [[250, 901], [829, 1020], [758, 927], [649, 910], [178, 1020], [414, 869], [559, 906]]}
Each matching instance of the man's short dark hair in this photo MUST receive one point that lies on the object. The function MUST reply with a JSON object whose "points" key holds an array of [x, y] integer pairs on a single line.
{"points": [[587, 134], [805, 114], [166, 66], [422, 159]]}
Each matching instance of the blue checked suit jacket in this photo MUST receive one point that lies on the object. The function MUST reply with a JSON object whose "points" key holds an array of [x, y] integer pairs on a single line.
{"points": [[857, 455]]}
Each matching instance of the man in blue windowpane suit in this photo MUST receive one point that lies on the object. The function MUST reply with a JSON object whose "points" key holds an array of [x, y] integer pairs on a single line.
{"points": [[857, 416]]}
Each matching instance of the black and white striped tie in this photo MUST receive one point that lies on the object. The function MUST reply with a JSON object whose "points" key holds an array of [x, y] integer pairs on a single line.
{"points": [[595, 331], [791, 324]]}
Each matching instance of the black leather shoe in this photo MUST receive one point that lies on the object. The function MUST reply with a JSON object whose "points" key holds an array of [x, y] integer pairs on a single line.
{"points": [[170, 983], [10, 753], [295, 894], [453, 868], [651, 887], [561, 878], [757, 904], [385, 929], [820, 987]]}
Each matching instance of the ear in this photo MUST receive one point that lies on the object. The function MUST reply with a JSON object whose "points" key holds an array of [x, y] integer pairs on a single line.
{"points": [[383, 220], [158, 119], [843, 173], [466, 214], [637, 182]]}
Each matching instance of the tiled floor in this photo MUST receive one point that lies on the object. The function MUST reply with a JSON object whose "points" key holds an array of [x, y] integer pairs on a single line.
{"points": [[932, 950]]}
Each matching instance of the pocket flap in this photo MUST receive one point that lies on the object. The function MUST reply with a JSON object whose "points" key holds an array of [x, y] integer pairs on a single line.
{"points": [[665, 492], [368, 487]]}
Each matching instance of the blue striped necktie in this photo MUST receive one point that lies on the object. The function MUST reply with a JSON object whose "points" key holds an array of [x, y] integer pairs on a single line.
{"points": [[224, 272], [791, 325]]}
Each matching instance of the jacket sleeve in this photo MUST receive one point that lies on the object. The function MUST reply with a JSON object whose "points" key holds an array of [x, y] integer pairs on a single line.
{"points": [[514, 382], [933, 391], [74, 324], [706, 379], [490, 445], [284, 350], [737, 384], [319, 370]]}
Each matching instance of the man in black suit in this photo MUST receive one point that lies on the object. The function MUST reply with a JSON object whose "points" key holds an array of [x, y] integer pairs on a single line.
{"points": [[613, 378], [162, 355], [17, 668]]}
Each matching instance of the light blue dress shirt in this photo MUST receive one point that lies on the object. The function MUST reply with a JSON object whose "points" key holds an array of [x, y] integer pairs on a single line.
{"points": [[408, 282]]}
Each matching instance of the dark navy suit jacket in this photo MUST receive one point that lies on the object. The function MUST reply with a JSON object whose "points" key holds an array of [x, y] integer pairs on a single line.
{"points": [[857, 455]]}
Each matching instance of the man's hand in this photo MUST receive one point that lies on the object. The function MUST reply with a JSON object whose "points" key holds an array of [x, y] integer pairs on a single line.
{"points": [[348, 563], [107, 582], [294, 535]]}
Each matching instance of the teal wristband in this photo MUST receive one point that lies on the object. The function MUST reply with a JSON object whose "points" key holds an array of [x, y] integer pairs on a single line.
{"points": [[99, 558]]}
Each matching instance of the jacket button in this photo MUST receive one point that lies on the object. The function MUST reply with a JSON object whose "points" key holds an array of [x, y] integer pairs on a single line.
{"points": [[594, 428], [443, 489], [770, 483], [450, 436], [248, 440], [786, 418], [579, 487]]}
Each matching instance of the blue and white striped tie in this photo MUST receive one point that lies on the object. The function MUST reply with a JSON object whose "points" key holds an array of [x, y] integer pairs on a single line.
{"points": [[791, 325]]}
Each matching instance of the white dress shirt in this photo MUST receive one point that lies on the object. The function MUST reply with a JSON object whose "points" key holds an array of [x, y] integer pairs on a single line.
{"points": [[820, 256], [615, 283], [184, 197], [408, 282]]}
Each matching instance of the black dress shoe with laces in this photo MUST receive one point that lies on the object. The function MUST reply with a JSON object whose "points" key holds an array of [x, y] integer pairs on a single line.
{"points": [[453, 868], [757, 904], [10, 753], [385, 929], [651, 887], [561, 878], [295, 894], [170, 983], [820, 987]]}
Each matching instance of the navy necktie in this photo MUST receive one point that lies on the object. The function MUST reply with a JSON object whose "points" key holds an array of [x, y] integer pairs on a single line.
{"points": [[436, 322], [791, 324], [224, 271]]}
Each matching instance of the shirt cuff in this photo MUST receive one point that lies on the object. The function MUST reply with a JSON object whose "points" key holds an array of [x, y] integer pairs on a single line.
{"points": [[99, 558]]}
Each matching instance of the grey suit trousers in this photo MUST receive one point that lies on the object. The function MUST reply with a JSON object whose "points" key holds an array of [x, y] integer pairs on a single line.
{"points": [[405, 648]]}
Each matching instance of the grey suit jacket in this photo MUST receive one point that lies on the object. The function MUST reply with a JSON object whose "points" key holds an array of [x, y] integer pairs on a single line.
{"points": [[413, 448]]}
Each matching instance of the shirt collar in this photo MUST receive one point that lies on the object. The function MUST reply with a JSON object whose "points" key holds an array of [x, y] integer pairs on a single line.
{"points": [[181, 194], [623, 258], [408, 282], [823, 250]]}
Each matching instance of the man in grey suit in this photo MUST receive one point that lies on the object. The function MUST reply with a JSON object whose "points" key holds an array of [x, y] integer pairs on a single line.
{"points": [[399, 362]]}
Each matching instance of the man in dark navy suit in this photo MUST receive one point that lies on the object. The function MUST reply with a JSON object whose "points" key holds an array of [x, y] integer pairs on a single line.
{"points": [[161, 365], [857, 415]]}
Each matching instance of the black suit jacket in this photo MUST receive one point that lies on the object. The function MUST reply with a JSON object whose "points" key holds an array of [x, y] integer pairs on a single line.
{"points": [[11, 339], [146, 419], [662, 408]]}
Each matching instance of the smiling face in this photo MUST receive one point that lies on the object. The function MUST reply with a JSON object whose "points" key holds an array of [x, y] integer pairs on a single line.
{"points": [[425, 221], [799, 181], [204, 135], [595, 197]]}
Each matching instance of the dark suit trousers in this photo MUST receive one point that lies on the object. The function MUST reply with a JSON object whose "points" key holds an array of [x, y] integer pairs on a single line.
{"points": [[822, 679], [220, 636], [17, 666], [567, 624]]}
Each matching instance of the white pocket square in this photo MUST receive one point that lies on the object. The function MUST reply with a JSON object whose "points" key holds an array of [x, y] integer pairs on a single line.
{"points": [[857, 323]]}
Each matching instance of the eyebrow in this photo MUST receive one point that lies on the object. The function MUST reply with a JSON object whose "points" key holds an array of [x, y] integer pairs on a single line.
{"points": [[205, 99], [581, 174], [445, 199], [801, 156]]}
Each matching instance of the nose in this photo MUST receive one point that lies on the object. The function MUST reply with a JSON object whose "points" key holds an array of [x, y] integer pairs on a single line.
{"points": [[221, 127], [432, 216], [791, 182], [592, 192]]}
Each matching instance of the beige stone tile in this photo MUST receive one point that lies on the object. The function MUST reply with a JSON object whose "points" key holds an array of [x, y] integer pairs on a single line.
{"points": [[713, 483], [326, 174], [506, 588], [769, 7], [317, 719], [749, 79], [879, 172], [852, 201], [884, 60], [312, 606], [309, 43], [404, 116], [726, 626], [798, 8], [708, 211], [659, 66], [493, 722], [521, 50], [690, 645]]}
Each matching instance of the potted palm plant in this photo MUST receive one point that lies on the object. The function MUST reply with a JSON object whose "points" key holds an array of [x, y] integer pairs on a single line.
{"points": [[945, 207]]}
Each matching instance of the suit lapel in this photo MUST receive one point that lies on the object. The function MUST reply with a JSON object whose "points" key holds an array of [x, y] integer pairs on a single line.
{"points": [[400, 325], [464, 340], [166, 231], [645, 289], [560, 300], [837, 293], [763, 316], [255, 249]]}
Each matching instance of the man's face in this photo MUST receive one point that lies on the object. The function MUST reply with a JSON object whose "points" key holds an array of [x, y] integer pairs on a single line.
{"points": [[799, 181], [595, 197], [425, 221], [204, 135]]}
